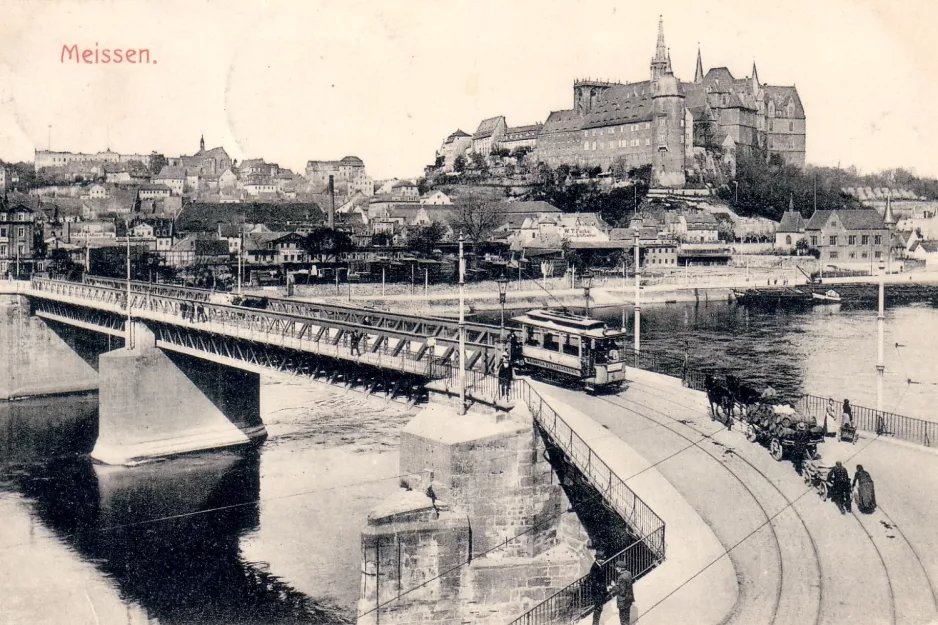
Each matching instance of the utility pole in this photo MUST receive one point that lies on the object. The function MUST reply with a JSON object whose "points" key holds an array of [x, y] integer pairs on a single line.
{"points": [[881, 327], [638, 307], [462, 329], [130, 335], [240, 258]]}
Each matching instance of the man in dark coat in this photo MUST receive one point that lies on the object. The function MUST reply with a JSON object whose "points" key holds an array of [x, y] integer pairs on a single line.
{"points": [[799, 446], [840, 487], [505, 375], [598, 589], [625, 595], [866, 493]]}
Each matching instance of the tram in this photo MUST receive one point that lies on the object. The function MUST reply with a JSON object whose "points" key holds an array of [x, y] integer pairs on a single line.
{"points": [[572, 348]]}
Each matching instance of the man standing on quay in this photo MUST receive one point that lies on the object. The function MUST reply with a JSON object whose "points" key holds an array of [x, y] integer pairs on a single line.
{"points": [[625, 596]]}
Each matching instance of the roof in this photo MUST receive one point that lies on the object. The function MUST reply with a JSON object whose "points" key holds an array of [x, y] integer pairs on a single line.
{"points": [[402, 184], [252, 162], [792, 221], [488, 126], [781, 96], [929, 246], [154, 187], [352, 161], [522, 132], [861, 219], [456, 135], [170, 172], [205, 216]]}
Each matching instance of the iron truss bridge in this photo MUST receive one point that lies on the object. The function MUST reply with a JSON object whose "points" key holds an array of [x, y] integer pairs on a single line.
{"points": [[283, 336]]}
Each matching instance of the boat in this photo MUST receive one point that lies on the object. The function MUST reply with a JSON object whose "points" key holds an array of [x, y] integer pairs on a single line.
{"points": [[773, 296], [829, 297]]}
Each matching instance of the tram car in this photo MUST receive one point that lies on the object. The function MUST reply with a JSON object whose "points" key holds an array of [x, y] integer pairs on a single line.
{"points": [[571, 348]]}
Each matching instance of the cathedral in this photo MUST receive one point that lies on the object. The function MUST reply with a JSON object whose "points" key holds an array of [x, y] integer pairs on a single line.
{"points": [[662, 121]]}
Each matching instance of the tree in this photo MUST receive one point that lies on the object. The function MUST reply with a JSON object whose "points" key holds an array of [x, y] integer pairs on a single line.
{"points": [[424, 239], [440, 162], [60, 263], [476, 160], [476, 219], [157, 163], [459, 164], [325, 242]]}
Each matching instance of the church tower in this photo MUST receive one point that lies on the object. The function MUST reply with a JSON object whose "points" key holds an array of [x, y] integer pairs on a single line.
{"points": [[699, 74], [202, 144], [659, 63]]}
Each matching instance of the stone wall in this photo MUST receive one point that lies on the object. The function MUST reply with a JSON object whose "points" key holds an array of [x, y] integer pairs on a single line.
{"points": [[495, 539]]}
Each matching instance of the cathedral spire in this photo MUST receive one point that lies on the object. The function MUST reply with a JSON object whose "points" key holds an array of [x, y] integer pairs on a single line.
{"points": [[660, 64], [755, 77], [202, 144], [889, 219], [699, 75], [669, 61]]}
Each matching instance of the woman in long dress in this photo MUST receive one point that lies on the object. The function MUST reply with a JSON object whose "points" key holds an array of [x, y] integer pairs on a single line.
{"points": [[866, 493]]}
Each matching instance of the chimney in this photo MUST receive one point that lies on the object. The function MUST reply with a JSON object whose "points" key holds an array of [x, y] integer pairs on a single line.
{"points": [[331, 219]]}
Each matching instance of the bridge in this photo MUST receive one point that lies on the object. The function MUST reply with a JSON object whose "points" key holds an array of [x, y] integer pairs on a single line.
{"points": [[182, 351]]}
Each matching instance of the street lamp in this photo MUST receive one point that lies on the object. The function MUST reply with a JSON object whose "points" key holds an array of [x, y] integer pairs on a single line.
{"points": [[587, 283], [736, 188], [638, 288], [502, 296], [462, 328]]}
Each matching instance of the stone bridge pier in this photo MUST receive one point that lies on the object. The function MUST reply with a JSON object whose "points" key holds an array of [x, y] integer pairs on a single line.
{"points": [[44, 358], [157, 403]]}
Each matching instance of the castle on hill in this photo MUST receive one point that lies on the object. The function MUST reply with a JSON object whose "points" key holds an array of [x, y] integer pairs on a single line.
{"points": [[663, 121]]}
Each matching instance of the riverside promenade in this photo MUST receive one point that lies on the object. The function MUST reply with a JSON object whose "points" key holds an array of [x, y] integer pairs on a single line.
{"points": [[748, 541]]}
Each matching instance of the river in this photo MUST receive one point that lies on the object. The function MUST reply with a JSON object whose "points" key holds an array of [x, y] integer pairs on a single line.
{"points": [[272, 536]]}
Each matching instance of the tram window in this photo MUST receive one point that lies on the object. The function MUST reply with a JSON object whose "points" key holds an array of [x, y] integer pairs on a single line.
{"points": [[550, 342], [532, 337], [571, 346]]}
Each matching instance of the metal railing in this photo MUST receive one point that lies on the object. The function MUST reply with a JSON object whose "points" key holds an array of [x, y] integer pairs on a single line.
{"points": [[575, 601], [876, 421], [629, 506]]}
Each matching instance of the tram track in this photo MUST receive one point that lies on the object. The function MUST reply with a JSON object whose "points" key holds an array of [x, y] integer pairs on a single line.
{"points": [[894, 612], [781, 613]]}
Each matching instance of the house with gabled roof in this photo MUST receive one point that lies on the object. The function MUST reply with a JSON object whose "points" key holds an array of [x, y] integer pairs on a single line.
{"points": [[790, 230], [488, 134], [849, 237]]}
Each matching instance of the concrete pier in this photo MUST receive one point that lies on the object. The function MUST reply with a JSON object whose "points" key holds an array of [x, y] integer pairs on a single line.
{"points": [[155, 403], [453, 557], [43, 358]]}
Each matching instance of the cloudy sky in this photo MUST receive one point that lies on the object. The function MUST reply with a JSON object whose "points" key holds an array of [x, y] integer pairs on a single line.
{"points": [[387, 81]]}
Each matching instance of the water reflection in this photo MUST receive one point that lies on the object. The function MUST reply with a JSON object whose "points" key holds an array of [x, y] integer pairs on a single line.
{"points": [[166, 535]]}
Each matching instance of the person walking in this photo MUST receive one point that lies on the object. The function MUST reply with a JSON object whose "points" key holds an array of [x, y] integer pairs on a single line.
{"points": [[597, 584], [846, 422], [799, 447], [866, 493], [625, 594], [355, 339], [840, 487]]}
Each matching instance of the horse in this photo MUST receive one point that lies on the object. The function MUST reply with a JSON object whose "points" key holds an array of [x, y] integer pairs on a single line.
{"points": [[719, 397], [741, 394]]}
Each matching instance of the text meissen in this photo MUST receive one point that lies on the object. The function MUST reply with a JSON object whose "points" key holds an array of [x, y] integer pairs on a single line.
{"points": [[102, 56]]}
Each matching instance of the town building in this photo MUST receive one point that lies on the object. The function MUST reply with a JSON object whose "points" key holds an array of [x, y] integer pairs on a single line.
{"points": [[349, 175], [661, 120], [520, 137], [213, 161], [174, 177], [457, 144], [488, 135], [18, 225], [790, 230], [849, 237], [48, 158], [5, 175]]}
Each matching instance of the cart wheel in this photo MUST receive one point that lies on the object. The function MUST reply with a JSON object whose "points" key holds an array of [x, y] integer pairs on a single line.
{"points": [[776, 449], [822, 489], [751, 434]]}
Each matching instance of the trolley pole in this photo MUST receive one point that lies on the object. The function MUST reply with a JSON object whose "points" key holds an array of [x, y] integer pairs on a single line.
{"points": [[638, 307], [462, 329], [129, 337], [881, 327]]}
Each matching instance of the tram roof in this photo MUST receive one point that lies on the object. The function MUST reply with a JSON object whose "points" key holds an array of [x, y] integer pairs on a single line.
{"points": [[567, 322]]}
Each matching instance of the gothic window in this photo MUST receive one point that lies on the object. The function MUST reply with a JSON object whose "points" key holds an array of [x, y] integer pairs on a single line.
{"points": [[833, 239], [791, 126], [788, 240]]}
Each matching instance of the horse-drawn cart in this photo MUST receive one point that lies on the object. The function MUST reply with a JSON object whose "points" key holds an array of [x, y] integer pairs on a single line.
{"points": [[780, 427]]}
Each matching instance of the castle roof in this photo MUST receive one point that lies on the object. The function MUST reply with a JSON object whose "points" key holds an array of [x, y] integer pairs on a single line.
{"points": [[171, 173], [781, 96], [456, 135], [352, 161], [522, 132], [562, 121], [487, 127]]}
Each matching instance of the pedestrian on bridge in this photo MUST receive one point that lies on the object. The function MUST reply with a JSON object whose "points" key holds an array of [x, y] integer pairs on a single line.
{"points": [[840, 487], [625, 594], [599, 590], [505, 376], [355, 340]]}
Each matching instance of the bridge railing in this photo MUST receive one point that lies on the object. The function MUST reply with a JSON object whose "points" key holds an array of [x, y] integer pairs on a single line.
{"points": [[574, 602], [871, 420]]}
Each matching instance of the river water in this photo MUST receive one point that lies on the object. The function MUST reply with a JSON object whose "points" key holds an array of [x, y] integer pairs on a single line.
{"points": [[272, 536]]}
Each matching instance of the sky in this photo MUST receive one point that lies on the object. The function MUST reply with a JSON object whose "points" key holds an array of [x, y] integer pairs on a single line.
{"points": [[388, 81]]}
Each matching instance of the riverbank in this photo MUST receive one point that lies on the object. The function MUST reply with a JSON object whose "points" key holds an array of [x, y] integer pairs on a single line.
{"points": [[693, 284]]}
